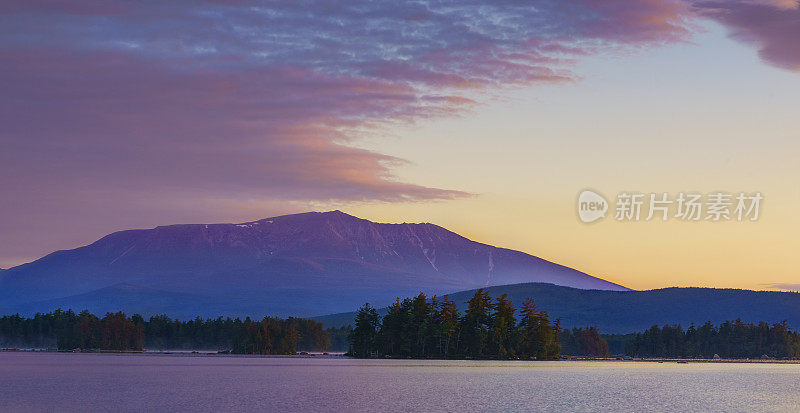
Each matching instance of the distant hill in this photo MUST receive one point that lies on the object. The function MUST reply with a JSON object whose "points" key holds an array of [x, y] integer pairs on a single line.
{"points": [[303, 264], [132, 298], [629, 311]]}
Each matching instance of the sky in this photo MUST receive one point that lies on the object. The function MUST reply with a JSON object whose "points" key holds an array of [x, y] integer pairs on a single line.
{"points": [[487, 118]]}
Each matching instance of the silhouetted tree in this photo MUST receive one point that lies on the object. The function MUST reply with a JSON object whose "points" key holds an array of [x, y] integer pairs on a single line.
{"points": [[503, 337], [449, 326], [363, 338], [475, 324], [732, 339], [583, 342], [539, 337]]}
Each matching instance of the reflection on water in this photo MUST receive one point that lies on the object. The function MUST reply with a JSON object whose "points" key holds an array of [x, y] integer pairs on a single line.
{"points": [[116, 382]]}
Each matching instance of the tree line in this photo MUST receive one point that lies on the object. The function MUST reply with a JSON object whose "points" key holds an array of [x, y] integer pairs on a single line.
{"points": [[732, 339], [420, 327], [67, 330], [584, 342]]}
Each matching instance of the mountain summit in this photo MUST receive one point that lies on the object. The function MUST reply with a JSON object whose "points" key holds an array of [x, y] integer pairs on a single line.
{"points": [[301, 264]]}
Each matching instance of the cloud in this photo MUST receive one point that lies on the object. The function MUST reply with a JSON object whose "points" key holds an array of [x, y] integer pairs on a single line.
{"points": [[772, 26], [135, 109], [267, 131], [783, 286], [264, 96]]}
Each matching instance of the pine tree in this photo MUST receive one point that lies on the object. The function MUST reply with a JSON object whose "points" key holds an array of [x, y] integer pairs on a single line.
{"points": [[418, 320], [448, 314], [392, 336], [529, 326], [504, 329], [363, 337], [475, 324]]}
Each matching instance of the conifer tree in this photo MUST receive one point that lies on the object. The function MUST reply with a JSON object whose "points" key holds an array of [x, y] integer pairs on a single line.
{"points": [[503, 335], [363, 338], [448, 313], [475, 324], [418, 319]]}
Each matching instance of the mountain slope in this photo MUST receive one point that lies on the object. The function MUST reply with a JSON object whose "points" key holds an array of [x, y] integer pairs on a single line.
{"points": [[628, 311], [132, 298], [302, 264]]}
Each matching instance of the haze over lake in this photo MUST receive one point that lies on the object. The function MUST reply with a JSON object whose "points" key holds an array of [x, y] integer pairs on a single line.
{"points": [[105, 382]]}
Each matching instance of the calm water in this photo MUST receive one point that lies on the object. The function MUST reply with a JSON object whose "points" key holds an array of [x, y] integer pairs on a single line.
{"points": [[110, 382]]}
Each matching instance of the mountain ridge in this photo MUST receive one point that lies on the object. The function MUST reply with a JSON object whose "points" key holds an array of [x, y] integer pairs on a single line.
{"points": [[306, 256], [624, 312]]}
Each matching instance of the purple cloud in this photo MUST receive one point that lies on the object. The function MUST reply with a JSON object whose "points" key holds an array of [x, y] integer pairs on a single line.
{"points": [[782, 286], [773, 26], [114, 112]]}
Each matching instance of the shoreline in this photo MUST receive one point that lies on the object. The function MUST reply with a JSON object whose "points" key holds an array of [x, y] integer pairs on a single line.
{"points": [[686, 360], [338, 355]]}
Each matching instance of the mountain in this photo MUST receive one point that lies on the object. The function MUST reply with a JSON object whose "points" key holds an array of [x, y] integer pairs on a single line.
{"points": [[628, 311], [132, 298], [303, 264]]}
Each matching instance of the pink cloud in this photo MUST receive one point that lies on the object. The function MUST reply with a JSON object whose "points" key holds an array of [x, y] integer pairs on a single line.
{"points": [[119, 114], [772, 26], [268, 132]]}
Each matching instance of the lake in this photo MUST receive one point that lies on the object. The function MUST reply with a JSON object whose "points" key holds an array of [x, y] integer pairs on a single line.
{"points": [[141, 382]]}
